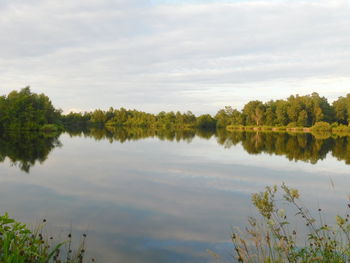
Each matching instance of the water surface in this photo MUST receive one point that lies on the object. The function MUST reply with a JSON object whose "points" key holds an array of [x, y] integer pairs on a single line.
{"points": [[146, 196]]}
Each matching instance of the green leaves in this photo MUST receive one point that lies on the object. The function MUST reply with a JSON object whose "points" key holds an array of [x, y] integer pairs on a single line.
{"points": [[272, 239], [25, 110], [18, 244], [264, 202]]}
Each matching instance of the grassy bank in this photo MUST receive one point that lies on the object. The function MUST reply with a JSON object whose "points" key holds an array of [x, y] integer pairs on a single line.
{"points": [[323, 127]]}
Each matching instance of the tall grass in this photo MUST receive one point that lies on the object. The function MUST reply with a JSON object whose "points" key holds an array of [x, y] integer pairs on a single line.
{"points": [[19, 244], [273, 239]]}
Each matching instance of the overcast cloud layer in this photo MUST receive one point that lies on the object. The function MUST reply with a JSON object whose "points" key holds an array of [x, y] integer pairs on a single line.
{"points": [[174, 55]]}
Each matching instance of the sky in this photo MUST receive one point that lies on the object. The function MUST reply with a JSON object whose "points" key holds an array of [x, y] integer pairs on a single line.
{"points": [[155, 55]]}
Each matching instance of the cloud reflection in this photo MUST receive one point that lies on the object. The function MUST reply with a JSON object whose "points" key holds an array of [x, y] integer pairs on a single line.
{"points": [[156, 201]]}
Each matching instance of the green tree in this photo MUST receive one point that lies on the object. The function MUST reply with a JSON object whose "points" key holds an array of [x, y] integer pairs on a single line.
{"points": [[25, 110], [341, 109], [237, 117], [270, 114], [281, 113], [206, 122], [302, 118], [255, 112]]}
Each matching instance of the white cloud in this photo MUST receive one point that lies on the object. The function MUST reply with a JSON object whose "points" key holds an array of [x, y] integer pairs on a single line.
{"points": [[89, 54]]}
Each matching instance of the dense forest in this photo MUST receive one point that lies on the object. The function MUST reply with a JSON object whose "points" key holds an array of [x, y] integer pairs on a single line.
{"points": [[295, 111], [24, 110]]}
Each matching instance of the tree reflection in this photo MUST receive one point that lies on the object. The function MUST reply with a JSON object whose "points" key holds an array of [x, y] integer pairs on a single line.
{"points": [[296, 147], [341, 149], [305, 147], [132, 134], [25, 149]]}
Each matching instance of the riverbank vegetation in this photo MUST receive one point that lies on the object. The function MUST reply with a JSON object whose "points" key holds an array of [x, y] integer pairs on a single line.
{"points": [[24, 110], [19, 244], [296, 113], [305, 113], [278, 132], [114, 118], [275, 238]]}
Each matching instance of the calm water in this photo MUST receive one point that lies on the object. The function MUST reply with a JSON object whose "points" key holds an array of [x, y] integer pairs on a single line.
{"points": [[165, 197]]}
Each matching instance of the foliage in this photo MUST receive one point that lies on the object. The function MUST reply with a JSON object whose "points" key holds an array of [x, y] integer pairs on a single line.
{"points": [[341, 128], [18, 244], [50, 128], [302, 111], [206, 122], [74, 121], [342, 109], [255, 112], [273, 239], [228, 116], [279, 128], [321, 126], [129, 118], [292, 125], [25, 110]]}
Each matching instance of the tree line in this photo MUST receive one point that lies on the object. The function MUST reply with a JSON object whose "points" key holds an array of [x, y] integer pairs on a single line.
{"points": [[295, 111], [25, 110], [133, 118]]}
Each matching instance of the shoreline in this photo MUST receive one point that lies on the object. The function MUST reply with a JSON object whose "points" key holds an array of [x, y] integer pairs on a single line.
{"points": [[331, 131]]}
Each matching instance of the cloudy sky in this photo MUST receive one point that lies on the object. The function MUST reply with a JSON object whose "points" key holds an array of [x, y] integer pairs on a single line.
{"points": [[155, 55]]}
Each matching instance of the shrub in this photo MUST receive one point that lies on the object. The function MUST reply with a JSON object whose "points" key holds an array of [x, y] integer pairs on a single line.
{"points": [[321, 126], [321, 135], [279, 128], [341, 128], [292, 125], [234, 127], [334, 125], [206, 122], [273, 240], [50, 128]]}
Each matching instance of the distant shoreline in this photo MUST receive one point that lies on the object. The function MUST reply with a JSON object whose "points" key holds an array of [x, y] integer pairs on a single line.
{"points": [[336, 130]]}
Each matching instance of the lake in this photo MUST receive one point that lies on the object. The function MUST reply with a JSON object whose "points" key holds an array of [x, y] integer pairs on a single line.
{"points": [[147, 196]]}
